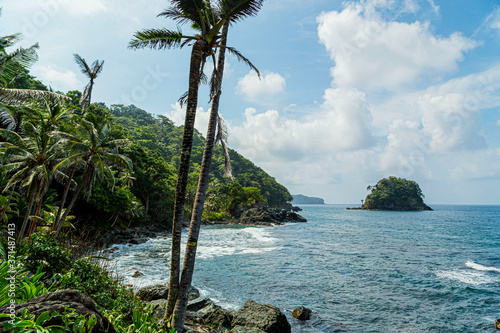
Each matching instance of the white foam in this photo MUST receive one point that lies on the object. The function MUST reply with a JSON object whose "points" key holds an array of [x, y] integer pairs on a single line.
{"points": [[260, 234], [472, 278], [479, 267]]}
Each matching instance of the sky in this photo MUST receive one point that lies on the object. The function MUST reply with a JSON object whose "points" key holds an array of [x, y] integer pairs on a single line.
{"points": [[350, 92]]}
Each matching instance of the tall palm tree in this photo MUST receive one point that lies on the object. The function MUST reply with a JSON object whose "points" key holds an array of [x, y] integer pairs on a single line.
{"points": [[194, 229], [92, 72], [208, 21], [30, 158], [95, 150]]}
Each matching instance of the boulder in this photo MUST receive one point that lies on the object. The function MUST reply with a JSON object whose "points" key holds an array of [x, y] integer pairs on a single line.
{"points": [[302, 313], [160, 291], [243, 329], [137, 274], [218, 318], [56, 302], [497, 325], [201, 304], [266, 318]]}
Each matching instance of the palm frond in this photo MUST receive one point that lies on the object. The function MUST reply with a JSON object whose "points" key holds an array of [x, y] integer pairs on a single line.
{"points": [[176, 14], [190, 8], [221, 138], [84, 67], [242, 58], [236, 10], [97, 68], [183, 99], [157, 39], [22, 96]]}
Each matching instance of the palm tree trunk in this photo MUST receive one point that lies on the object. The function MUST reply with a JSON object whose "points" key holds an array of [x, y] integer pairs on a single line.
{"points": [[63, 200], [182, 177], [28, 212], [39, 197], [194, 229], [70, 206], [8, 203]]}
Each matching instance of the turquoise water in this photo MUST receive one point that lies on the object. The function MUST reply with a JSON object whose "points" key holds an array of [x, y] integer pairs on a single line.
{"points": [[359, 271]]}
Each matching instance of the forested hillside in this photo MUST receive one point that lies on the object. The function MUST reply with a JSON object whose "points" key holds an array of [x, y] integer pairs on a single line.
{"points": [[113, 195]]}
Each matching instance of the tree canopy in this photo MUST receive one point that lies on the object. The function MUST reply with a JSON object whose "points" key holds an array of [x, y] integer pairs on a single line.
{"points": [[395, 193]]}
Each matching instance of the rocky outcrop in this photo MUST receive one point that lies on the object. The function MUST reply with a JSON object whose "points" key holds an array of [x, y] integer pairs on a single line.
{"points": [[159, 291], [302, 313], [268, 216], [261, 318], [135, 235], [57, 302], [497, 325]]}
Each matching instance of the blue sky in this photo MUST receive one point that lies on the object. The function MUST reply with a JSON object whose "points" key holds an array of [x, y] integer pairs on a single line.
{"points": [[352, 91]]}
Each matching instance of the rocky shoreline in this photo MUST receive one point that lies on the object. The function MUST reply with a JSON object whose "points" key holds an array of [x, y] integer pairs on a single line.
{"points": [[202, 312]]}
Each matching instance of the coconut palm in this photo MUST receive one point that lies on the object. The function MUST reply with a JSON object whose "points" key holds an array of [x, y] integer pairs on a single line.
{"points": [[92, 72], [208, 20], [29, 158], [194, 229], [95, 151]]}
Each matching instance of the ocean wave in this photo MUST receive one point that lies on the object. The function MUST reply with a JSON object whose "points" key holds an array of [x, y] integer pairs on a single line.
{"points": [[472, 278], [478, 267]]}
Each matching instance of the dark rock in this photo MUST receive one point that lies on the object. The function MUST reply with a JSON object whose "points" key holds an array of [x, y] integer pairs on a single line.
{"points": [[160, 291], [269, 216], [201, 304], [138, 240], [218, 317], [266, 318], [497, 325], [56, 302], [296, 209], [137, 274], [243, 329], [302, 313]]}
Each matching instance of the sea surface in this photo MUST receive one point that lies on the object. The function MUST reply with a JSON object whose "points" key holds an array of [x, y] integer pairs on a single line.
{"points": [[359, 271]]}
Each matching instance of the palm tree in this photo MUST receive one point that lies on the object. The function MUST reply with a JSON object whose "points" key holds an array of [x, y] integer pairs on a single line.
{"points": [[95, 150], [194, 229], [92, 72], [30, 158], [208, 21]]}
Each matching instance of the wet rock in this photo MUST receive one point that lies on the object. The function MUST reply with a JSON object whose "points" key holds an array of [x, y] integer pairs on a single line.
{"points": [[137, 274], [269, 216], [201, 304], [302, 313], [57, 302], [244, 329], [218, 318], [266, 318], [497, 325], [160, 291]]}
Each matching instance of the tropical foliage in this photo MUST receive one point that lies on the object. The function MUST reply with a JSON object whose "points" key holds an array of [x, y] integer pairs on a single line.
{"points": [[395, 193]]}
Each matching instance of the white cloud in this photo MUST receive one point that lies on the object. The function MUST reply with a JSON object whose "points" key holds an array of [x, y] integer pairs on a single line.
{"points": [[252, 88], [83, 7], [58, 78], [373, 54], [178, 114]]}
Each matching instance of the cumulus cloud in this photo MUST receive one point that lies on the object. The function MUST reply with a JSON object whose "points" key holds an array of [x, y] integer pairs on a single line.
{"points": [[373, 54], [343, 123], [251, 87], [61, 78], [178, 113]]}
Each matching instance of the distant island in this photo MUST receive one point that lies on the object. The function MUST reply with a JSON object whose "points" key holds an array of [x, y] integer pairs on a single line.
{"points": [[299, 199], [395, 193]]}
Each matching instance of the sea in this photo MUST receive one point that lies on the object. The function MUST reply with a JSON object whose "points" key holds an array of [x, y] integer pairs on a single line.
{"points": [[359, 271]]}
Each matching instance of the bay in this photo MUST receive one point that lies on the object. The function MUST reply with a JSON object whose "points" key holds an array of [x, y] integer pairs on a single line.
{"points": [[359, 271]]}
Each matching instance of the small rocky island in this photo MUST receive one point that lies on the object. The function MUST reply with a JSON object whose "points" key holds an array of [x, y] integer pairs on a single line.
{"points": [[395, 193], [300, 199]]}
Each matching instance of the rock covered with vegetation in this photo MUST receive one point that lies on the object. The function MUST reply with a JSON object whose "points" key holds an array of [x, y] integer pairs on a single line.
{"points": [[300, 199], [395, 193]]}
